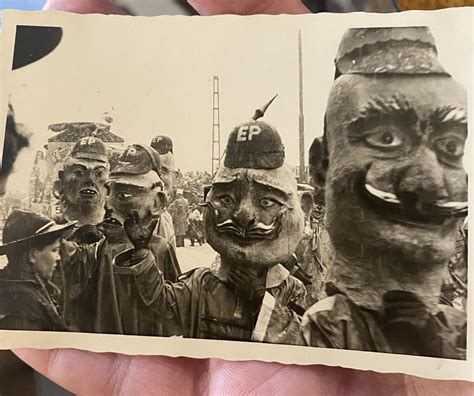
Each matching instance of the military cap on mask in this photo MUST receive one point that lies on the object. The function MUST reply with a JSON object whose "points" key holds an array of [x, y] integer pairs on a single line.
{"points": [[255, 144], [90, 148], [393, 50], [137, 159], [162, 144]]}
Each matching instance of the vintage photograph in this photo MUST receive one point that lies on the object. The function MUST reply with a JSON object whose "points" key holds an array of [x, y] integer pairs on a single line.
{"points": [[244, 184]]}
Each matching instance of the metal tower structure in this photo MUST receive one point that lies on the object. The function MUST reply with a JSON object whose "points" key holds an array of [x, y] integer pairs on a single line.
{"points": [[302, 170], [216, 126]]}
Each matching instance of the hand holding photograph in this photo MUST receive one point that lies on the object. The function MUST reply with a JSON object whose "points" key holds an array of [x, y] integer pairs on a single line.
{"points": [[235, 187]]}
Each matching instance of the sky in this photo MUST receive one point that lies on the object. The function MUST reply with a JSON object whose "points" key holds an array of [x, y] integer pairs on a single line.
{"points": [[22, 4], [154, 76]]}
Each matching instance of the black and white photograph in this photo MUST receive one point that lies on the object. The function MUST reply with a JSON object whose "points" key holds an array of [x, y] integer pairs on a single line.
{"points": [[239, 181]]}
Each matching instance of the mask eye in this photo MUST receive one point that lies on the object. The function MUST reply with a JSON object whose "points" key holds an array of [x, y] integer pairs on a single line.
{"points": [[267, 203], [450, 146], [226, 200], [384, 139], [79, 173], [123, 195]]}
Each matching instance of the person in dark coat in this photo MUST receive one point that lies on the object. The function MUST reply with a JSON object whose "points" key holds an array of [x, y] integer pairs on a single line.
{"points": [[164, 146], [28, 298], [253, 219], [396, 196], [104, 303], [179, 212]]}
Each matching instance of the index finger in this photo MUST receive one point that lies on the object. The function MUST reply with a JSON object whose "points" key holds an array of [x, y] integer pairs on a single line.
{"points": [[84, 6], [249, 7]]}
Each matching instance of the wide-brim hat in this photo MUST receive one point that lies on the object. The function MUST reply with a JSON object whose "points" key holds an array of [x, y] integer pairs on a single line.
{"points": [[24, 226]]}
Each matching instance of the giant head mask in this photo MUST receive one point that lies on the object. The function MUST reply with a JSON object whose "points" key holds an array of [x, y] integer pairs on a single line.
{"points": [[164, 146], [254, 217], [82, 181], [396, 189], [134, 185]]}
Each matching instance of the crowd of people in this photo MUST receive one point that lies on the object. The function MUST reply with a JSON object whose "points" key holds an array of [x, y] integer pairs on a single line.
{"points": [[360, 266]]}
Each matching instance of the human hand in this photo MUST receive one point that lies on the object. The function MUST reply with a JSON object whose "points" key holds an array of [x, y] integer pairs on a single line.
{"points": [[247, 284], [87, 234], [84, 372], [140, 230], [204, 7], [407, 318]]}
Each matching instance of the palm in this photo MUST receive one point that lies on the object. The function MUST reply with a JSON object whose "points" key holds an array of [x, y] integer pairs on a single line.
{"points": [[89, 373]]}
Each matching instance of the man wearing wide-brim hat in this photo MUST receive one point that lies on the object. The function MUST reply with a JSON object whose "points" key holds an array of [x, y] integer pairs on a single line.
{"points": [[28, 298]]}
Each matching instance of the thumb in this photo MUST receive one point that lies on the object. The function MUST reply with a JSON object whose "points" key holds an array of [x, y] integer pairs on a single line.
{"points": [[248, 7], [84, 6]]}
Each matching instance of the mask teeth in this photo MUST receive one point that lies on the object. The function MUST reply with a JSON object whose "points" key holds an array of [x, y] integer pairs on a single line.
{"points": [[383, 195], [456, 209]]}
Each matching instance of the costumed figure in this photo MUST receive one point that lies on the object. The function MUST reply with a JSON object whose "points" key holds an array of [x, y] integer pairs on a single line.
{"points": [[179, 211], [196, 228], [81, 184], [164, 146], [80, 188], [396, 195], [253, 219], [102, 302], [28, 298], [454, 290], [39, 176], [318, 251]]}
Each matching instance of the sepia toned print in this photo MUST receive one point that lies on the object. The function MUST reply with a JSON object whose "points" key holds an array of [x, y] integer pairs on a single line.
{"points": [[115, 222]]}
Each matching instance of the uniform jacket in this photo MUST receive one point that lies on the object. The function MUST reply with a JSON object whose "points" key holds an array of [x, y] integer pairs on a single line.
{"points": [[337, 322], [202, 304], [165, 229], [100, 302]]}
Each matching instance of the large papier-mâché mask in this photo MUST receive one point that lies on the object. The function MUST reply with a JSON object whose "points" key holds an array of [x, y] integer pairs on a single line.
{"points": [[395, 183], [253, 217], [83, 184], [129, 193]]}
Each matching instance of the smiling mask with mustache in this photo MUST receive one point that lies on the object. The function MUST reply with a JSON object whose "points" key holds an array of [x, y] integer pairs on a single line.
{"points": [[396, 189]]}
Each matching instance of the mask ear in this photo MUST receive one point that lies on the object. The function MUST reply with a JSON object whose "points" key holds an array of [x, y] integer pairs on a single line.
{"points": [[207, 190], [160, 202], [58, 188]]}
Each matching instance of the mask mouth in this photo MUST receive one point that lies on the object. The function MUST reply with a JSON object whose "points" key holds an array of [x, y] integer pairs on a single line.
{"points": [[409, 210], [254, 233], [88, 192], [110, 220]]}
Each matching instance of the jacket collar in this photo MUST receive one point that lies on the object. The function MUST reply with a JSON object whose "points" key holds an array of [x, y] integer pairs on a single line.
{"points": [[276, 275]]}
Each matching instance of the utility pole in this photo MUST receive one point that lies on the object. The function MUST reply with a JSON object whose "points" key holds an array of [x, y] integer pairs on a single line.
{"points": [[216, 126], [302, 172]]}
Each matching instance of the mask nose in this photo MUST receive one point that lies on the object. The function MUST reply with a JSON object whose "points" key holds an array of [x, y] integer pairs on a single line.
{"points": [[245, 217], [422, 181]]}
